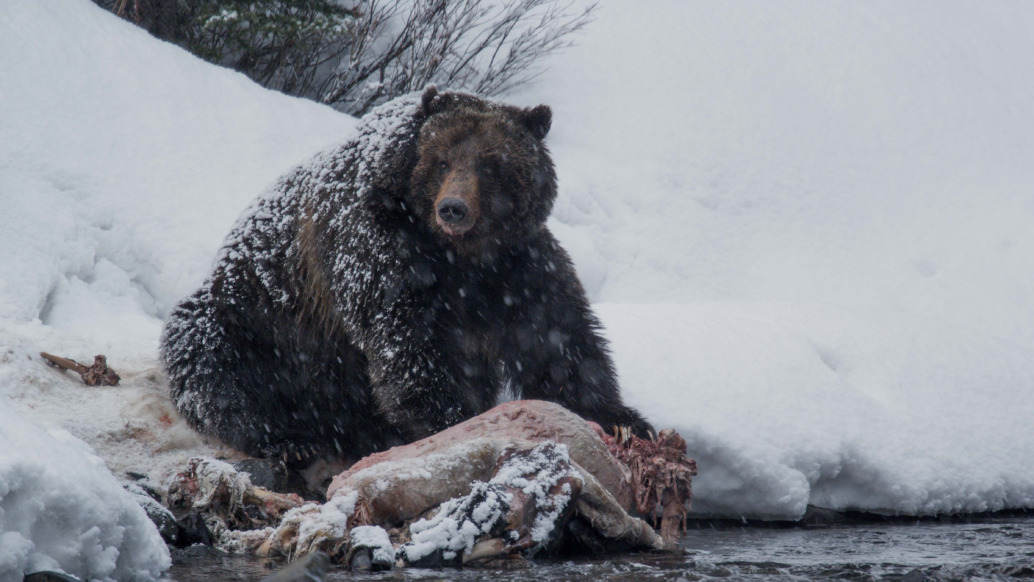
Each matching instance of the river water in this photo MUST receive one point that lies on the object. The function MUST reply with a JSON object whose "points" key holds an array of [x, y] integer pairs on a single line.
{"points": [[989, 549]]}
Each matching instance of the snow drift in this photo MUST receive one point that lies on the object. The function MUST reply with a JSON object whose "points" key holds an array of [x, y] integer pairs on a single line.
{"points": [[806, 227], [61, 509], [809, 224], [123, 162]]}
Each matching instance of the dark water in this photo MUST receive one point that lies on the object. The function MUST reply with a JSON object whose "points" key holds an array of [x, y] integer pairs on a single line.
{"points": [[992, 549]]}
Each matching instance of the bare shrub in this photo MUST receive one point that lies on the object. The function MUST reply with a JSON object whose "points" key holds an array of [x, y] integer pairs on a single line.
{"points": [[487, 48], [356, 54]]}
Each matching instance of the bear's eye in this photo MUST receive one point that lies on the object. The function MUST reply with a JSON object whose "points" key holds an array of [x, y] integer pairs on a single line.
{"points": [[443, 165]]}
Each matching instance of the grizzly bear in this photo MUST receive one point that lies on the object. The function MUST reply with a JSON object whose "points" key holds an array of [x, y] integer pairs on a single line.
{"points": [[392, 287]]}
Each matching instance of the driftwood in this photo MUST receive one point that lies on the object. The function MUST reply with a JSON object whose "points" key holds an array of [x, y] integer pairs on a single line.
{"points": [[99, 374]]}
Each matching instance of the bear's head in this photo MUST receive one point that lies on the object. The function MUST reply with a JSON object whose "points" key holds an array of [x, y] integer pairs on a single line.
{"points": [[483, 178]]}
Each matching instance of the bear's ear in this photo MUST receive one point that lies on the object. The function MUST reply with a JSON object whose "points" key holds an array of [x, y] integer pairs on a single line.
{"points": [[538, 120], [427, 101]]}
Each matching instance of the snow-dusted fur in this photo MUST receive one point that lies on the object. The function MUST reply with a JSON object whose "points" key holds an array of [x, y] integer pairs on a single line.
{"points": [[340, 320]]}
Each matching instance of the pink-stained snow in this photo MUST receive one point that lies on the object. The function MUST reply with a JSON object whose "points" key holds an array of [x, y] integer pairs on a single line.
{"points": [[806, 227]]}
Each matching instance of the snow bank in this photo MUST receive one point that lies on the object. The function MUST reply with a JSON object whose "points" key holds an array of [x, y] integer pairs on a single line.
{"points": [[61, 509], [807, 226], [783, 405], [810, 227], [123, 163], [869, 155]]}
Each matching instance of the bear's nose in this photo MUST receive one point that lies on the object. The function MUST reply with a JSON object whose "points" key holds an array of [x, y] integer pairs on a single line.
{"points": [[452, 210]]}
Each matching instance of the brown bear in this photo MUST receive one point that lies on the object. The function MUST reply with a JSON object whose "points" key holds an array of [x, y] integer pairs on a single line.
{"points": [[392, 287]]}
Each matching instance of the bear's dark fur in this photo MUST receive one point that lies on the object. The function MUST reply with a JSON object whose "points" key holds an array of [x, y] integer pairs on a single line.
{"points": [[391, 288]]}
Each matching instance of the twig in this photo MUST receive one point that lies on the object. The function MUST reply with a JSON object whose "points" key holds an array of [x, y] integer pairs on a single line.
{"points": [[97, 374]]}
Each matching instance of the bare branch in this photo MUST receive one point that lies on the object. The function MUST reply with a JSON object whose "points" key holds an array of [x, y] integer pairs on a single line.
{"points": [[356, 54], [484, 47]]}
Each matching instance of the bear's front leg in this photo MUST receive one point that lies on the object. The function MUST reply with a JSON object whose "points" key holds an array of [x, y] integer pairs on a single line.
{"points": [[554, 348], [419, 380], [567, 362]]}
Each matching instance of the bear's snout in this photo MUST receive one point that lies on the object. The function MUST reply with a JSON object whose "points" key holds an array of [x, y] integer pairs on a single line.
{"points": [[456, 208], [452, 210]]}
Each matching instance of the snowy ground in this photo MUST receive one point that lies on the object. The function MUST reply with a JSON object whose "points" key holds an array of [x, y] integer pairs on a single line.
{"points": [[806, 226]]}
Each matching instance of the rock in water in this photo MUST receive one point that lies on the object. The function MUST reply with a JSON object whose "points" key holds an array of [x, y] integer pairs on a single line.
{"points": [[162, 518], [193, 530], [311, 568], [371, 549]]}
